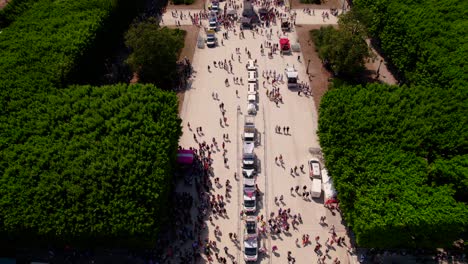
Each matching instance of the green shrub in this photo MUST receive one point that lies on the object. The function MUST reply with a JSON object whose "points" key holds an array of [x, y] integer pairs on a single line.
{"points": [[14, 9], [89, 163], [425, 40], [398, 158]]}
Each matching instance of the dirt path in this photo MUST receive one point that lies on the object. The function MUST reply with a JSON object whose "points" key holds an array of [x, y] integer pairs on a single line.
{"points": [[327, 4], [187, 51], [318, 75], [198, 4]]}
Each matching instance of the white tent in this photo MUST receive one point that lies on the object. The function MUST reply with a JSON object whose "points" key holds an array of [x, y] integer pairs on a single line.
{"points": [[328, 188]]}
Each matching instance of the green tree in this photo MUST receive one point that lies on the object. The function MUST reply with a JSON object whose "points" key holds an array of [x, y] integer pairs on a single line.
{"points": [[154, 52], [344, 50]]}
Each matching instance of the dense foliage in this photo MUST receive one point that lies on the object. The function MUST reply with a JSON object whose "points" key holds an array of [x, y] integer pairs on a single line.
{"points": [[43, 46], [14, 9], [154, 52], [400, 166], [89, 162], [81, 163], [341, 50], [426, 40]]}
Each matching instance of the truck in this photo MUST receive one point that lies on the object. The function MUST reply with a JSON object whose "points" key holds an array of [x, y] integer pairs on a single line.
{"points": [[292, 76], [211, 38], [285, 46]]}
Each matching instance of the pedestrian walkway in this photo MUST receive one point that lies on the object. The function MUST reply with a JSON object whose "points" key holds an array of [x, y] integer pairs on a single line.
{"points": [[217, 102]]}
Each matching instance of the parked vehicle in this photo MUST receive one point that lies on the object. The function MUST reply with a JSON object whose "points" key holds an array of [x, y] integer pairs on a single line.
{"points": [[250, 199], [292, 76], [252, 77], [314, 168], [285, 24], [251, 65], [213, 24], [250, 134], [251, 227], [251, 246], [211, 38]]}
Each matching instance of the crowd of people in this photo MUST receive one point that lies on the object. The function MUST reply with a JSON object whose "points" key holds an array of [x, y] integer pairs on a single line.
{"points": [[213, 193]]}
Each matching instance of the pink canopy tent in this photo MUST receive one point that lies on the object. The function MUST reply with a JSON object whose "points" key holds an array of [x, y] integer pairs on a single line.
{"points": [[185, 156]]}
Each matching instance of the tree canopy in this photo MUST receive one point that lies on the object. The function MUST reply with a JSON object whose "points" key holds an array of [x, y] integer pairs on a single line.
{"points": [[344, 49], [398, 158], [425, 40], [89, 162], [399, 155], [154, 52]]}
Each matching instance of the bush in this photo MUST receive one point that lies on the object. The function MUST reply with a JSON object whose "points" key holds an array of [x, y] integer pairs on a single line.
{"points": [[14, 9], [89, 163]]}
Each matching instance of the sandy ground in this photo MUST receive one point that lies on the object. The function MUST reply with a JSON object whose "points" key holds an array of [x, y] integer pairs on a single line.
{"points": [[318, 75], [187, 51], [198, 4], [325, 5], [377, 68], [297, 112]]}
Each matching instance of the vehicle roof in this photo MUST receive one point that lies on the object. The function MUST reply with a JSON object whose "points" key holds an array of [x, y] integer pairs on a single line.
{"points": [[316, 184], [251, 243], [251, 218], [249, 198], [247, 134], [249, 182]]}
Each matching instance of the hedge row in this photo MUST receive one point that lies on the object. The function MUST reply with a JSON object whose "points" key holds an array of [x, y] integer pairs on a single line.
{"points": [[43, 45], [398, 156], [94, 164], [14, 9], [425, 40], [89, 164]]}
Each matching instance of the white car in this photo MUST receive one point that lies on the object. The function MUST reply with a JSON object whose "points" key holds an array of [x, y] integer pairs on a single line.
{"points": [[250, 199], [249, 164], [314, 168], [251, 249]]}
